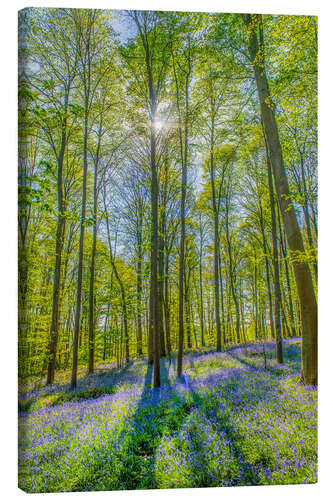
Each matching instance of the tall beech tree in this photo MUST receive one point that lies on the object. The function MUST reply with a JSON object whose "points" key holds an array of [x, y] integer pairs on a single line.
{"points": [[55, 52], [155, 45], [306, 294], [182, 66], [118, 278], [215, 94], [277, 287], [85, 25]]}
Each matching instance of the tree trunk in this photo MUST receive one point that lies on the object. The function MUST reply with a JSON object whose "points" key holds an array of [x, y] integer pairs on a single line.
{"points": [[286, 266], [222, 300], [184, 155], [166, 305], [150, 329], [231, 271], [154, 257], [81, 244], [277, 287], [161, 281], [104, 330], [187, 311], [139, 285], [255, 303], [267, 271], [202, 330], [92, 270], [54, 334], [216, 244], [121, 285]]}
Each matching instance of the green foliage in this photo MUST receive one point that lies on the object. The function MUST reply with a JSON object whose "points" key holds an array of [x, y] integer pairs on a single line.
{"points": [[221, 113]]}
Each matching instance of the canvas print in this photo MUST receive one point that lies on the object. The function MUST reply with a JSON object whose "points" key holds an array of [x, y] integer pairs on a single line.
{"points": [[167, 250]]}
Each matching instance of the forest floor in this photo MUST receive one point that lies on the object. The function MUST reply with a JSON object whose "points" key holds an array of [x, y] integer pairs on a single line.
{"points": [[227, 422]]}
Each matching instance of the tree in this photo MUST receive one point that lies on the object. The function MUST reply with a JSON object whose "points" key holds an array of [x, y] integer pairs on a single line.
{"points": [[88, 41], [182, 73], [53, 119], [302, 272], [155, 47]]}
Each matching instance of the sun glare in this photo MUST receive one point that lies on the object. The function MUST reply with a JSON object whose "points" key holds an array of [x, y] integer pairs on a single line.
{"points": [[158, 125]]}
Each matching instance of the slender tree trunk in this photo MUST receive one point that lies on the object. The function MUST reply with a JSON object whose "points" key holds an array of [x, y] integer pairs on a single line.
{"points": [[255, 303], [121, 285], [154, 190], [54, 334], [192, 323], [209, 316], [92, 270], [222, 300], [23, 273], [154, 257], [314, 219], [216, 244], [231, 273], [81, 244], [277, 287], [23, 222], [267, 271], [242, 316], [187, 311], [150, 330], [286, 267], [86, 72], [202, 328], [105, 329], [166, 305], [181, 273], [184, 154], [161, 281], [121, 340], [139, 285]]}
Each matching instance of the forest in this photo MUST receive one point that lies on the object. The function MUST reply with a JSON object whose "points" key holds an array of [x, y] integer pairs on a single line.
{"points": [[167, 249]]}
